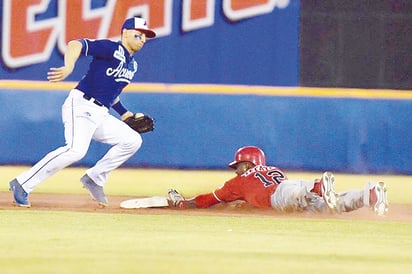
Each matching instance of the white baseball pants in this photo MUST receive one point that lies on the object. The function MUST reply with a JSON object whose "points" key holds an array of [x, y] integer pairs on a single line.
{"points": [[83, 121], [293, 195]]}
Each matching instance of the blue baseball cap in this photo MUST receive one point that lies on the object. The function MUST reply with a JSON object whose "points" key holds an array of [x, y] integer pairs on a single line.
{"points": [[139, 24]]}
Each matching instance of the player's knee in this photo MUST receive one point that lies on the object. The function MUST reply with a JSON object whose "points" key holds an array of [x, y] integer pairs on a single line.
{"points": [[76, 154], [132, 143]]}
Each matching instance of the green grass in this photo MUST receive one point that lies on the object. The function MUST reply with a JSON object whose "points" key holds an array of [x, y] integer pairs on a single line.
{"points": [[70, 242]]}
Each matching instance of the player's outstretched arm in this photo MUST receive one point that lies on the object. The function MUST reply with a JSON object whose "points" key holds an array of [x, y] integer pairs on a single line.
{"points": [[70, 57], [205, 200], [200, 201]]}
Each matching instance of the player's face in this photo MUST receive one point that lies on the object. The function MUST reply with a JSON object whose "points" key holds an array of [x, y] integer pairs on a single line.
{"points": [[242, 167], [134, 40]]}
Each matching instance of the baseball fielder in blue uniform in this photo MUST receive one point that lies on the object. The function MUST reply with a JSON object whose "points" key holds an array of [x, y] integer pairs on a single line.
{"points": [[85, 112]]}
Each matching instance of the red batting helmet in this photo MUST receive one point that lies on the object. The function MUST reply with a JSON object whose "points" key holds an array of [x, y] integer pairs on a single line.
{"points": [[249, 154]]}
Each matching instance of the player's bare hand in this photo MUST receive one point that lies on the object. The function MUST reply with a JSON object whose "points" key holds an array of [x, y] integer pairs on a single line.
{"points": [[58, 74]]}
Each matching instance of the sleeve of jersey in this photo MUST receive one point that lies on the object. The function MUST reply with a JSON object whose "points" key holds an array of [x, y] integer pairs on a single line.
{"points": [[100, 48], [225, 193], [85, 46], [206, 200]]}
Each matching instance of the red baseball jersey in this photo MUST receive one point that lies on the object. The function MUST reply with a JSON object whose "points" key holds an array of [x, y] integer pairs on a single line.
{"points": [[255, 186]]}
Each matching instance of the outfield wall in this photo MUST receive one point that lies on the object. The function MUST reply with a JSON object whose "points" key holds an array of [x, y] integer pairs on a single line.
{"points": [[354, 131], [250, 43]]}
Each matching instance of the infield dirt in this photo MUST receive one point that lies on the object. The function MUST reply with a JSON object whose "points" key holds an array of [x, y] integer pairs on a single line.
{"points": [[84, 203]]}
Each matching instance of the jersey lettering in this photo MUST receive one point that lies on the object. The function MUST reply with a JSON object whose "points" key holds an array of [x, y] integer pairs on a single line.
{"points": [[119, 54], [263, 179], [276, 177], [259, 168], [120, 72]]}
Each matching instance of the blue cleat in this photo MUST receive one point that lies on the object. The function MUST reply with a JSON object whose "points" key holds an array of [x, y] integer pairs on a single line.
{"points": [[95, 190], [19, 194]]}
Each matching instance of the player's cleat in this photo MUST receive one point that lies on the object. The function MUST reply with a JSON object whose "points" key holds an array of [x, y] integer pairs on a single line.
{"points": [[19, 194], [378, 199], [328, 193], [175, 197], [95, 190]]}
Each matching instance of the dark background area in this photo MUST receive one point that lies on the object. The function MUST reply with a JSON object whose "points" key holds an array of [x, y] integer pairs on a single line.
{"points": [[356, 44]]}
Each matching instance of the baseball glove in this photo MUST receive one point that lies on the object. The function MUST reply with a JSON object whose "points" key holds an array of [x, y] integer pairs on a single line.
{"points": [[140, 122]]}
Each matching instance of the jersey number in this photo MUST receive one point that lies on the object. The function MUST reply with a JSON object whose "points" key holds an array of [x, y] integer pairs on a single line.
{"points": [[275, 176]]}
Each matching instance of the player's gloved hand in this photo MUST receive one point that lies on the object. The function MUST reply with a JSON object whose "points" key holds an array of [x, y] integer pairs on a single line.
{"points": [[139, 122], [176, 199]]}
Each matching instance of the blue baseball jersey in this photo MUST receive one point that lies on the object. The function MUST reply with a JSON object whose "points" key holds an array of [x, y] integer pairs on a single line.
{"points": [[111, 69]]}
